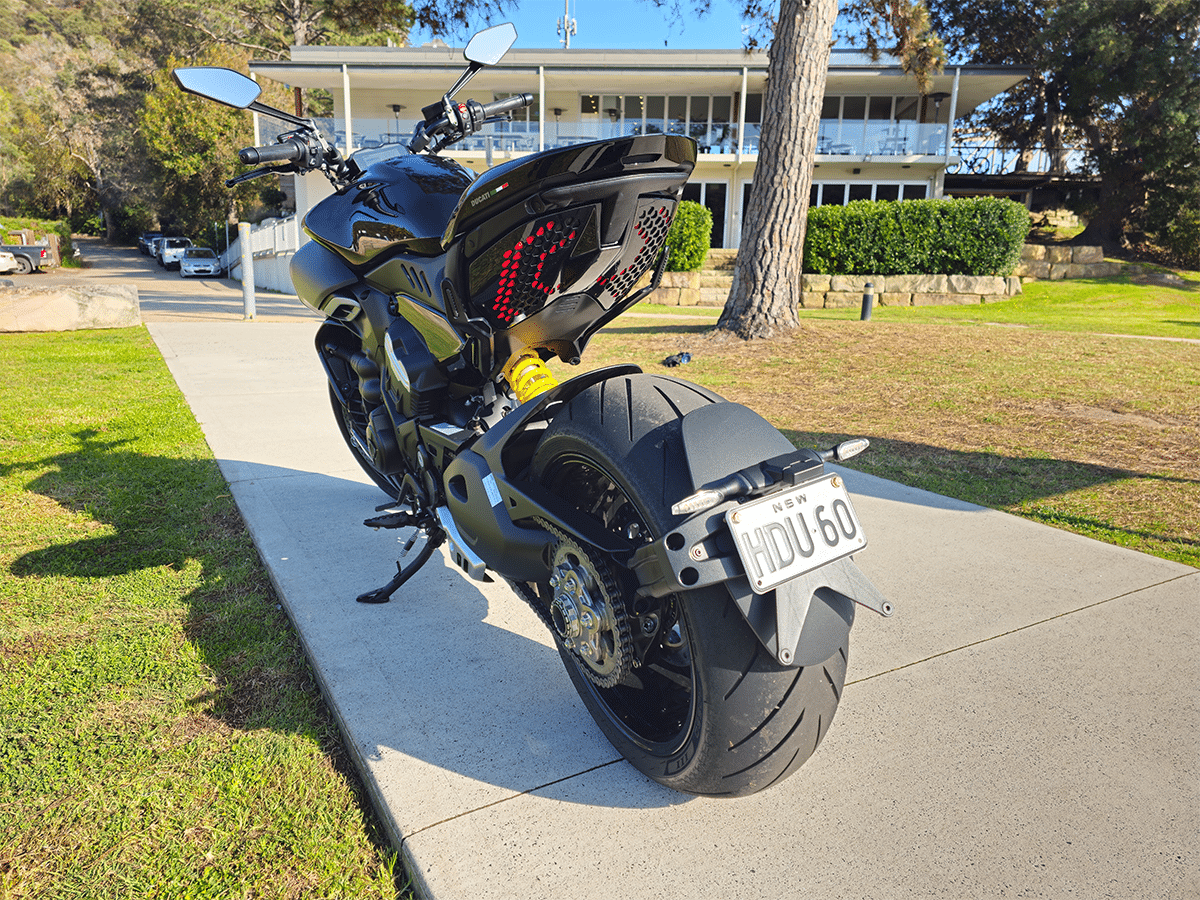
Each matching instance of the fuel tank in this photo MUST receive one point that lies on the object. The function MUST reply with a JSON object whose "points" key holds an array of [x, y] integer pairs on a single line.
{"points": [[402, 201]]}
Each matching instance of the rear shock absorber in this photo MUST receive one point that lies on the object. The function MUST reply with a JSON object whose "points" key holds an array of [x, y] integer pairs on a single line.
{"points": [[528, 375]]}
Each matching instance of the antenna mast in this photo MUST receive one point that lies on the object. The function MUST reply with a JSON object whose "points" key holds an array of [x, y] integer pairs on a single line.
{"points": [[566, 26]]}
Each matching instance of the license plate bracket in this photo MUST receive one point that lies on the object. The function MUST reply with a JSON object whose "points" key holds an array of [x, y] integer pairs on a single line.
{"points": [[786, 534]]}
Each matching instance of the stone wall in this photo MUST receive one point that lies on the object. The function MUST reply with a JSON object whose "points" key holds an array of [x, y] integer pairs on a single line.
{"points": [[906, 290], [66, 307], [1056, 262], [710, 287]]}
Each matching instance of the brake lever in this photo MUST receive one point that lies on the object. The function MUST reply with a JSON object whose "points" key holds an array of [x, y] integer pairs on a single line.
{"points": [[259, 173]]}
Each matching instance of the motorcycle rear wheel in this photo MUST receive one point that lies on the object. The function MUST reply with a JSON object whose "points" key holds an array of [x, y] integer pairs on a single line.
{"points": [[708, 710]]}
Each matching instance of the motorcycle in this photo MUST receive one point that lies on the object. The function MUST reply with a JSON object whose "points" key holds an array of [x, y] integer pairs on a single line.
{"points": [[692, 565]]}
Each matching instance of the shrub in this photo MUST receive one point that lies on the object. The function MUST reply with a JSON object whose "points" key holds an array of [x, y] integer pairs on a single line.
{"points": [[980, 236], [689, 238], [1181, 238]]}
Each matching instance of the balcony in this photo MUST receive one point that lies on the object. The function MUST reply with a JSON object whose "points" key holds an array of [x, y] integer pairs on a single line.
{"points": [[511, 139]]}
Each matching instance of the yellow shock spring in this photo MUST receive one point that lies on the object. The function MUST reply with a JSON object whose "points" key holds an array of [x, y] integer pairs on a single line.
{"points": [[528, 375]]}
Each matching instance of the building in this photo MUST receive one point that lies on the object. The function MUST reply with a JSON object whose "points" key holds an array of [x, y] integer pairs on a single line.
{"points": [[879, 138]]}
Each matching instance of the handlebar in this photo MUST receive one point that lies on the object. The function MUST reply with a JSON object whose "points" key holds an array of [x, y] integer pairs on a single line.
{"points": [[507, 105], [291, 150], [463, 119]]}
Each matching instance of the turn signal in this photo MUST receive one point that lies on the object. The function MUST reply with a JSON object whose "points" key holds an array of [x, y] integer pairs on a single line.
{"points": [[528, 375]]}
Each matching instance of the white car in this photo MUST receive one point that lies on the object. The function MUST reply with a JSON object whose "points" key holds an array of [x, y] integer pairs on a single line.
{"points": [[172, 251], [8, 263], [198, 261]]}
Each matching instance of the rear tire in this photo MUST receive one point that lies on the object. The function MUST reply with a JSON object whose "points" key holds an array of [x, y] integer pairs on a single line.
{"points": [[709, 710], [24, 266]]}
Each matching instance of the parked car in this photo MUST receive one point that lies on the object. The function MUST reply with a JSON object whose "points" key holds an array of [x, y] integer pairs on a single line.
{"points": [[154, 245], [145, 239], [30, 257], [8, 263], [198, 261], [171, 250]]}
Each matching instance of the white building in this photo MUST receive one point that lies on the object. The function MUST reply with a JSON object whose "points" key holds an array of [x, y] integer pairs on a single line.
{"points": [[879, 139]]}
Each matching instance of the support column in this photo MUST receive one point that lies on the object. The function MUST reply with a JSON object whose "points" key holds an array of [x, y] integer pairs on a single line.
{"points": [[347, 113]]}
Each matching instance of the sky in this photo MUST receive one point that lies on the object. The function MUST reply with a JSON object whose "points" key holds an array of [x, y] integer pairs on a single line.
{"points": [[617, 24]]}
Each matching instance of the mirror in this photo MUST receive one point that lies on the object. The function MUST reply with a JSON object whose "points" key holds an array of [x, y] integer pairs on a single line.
{"points": [[223, 85], [489, 46]]}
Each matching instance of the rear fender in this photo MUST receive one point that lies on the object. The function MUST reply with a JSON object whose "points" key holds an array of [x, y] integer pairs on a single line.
{"points": [[799, 623]]}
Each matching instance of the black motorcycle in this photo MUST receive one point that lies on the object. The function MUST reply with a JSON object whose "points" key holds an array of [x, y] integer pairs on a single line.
{"points": [[692, 565]]}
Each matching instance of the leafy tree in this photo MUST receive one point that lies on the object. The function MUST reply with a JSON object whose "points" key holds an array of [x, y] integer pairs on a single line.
{"points": [[1123, 78], [766, 282], [191, 142]]}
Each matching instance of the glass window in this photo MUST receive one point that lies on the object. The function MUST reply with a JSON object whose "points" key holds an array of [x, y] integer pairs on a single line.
{"points": [[698, 119], [860, 191], [854, 109], [714, 199], [720, 110], [677, 115], [633, 114], [754, 109], [880, 108], [831, 107], [589, 104], [914, 191], [655, 114], [906, 109], [887, 192], [833, 195]]}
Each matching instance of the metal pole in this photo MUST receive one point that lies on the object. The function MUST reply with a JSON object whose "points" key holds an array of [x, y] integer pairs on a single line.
{"points": [[247, 271], [868, 302]]}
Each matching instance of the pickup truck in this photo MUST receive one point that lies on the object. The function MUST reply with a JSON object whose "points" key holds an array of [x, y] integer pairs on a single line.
{"points": [[30, 257]]}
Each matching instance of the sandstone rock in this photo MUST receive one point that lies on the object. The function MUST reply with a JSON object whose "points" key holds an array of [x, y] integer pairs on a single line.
{"points": [[62, 307]]}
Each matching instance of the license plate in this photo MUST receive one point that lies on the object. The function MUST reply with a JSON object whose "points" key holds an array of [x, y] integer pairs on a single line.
{"points": [[795, 531]]}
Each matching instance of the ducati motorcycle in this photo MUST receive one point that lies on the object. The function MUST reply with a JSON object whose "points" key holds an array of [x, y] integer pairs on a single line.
{"points": [[691, 564]]}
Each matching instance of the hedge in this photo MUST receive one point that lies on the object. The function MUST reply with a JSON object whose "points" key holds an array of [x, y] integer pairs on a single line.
{"points": [[979, 236], [690, 237]]}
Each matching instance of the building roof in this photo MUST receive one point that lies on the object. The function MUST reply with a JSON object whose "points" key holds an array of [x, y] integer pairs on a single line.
{"points": [[433, 68]]}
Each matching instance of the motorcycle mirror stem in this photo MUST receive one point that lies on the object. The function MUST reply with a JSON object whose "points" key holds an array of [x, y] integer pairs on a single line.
{"points": [[230, 88], [485, 49]]}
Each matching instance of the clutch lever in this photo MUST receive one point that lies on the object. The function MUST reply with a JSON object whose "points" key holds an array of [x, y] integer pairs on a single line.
{"points": [[259, 173]]}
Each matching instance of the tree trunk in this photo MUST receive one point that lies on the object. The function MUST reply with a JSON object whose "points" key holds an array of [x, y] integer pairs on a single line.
{"points": [[766, 283]]}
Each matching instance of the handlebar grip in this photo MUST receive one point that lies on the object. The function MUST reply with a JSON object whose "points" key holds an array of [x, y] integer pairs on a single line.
{"points": [[507, 105], [287, 151]]}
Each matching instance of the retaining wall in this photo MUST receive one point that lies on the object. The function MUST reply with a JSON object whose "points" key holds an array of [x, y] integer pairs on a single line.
{"points": [[710, 287]]}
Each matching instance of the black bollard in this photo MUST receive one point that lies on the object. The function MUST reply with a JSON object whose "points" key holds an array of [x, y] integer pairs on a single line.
{"points": [[868, 302]]}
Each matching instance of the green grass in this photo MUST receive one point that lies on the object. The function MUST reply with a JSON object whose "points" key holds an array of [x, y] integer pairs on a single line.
{"points": [[1118, 305], [1048, 419], [161, 734]]}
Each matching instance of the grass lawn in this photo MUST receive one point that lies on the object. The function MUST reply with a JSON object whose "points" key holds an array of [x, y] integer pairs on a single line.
{"points": [[1123, 304], [1049, 419], [161, 734]]}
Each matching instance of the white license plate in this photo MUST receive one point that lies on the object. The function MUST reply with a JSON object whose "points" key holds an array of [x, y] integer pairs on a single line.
{"points": [[795, 531]]}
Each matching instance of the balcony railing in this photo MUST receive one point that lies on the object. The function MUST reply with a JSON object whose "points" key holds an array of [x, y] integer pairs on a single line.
{"points": [[875, 139], [990, 159]]}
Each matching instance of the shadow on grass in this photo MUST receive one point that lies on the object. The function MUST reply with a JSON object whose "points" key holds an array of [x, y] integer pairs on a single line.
{"points": [[658, 330], [1025, 485], [176, 514]]}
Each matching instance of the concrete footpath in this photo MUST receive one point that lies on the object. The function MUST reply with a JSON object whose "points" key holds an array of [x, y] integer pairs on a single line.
{"points": [[1027, 725]]}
